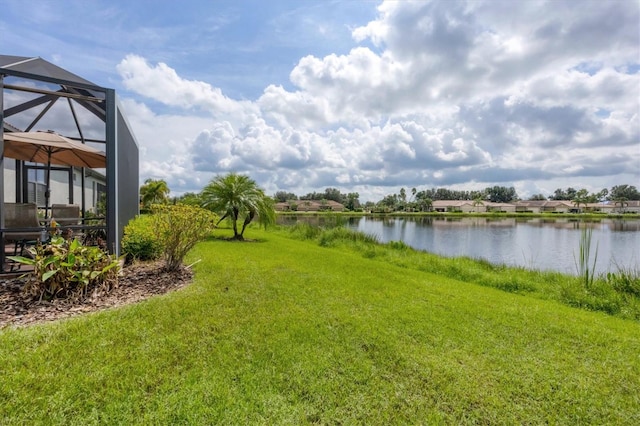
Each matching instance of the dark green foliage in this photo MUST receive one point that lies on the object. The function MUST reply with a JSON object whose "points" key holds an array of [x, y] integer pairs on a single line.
{"points": [[141, 241], [627, 192], [189, 198], [68, 269], [282, 196], [154, 192]]}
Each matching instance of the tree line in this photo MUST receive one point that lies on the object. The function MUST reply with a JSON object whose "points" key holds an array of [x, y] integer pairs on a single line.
{"points": [[157, 191]]}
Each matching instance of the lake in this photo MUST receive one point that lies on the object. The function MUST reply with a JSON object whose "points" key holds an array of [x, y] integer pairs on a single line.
{"points": [[534, 243]]}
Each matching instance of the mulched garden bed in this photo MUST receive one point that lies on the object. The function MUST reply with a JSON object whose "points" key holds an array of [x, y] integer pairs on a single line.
{"points": [[138, 282]]}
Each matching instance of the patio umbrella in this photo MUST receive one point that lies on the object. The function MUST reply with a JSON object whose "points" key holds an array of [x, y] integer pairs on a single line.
{"points": [[51, 148]]}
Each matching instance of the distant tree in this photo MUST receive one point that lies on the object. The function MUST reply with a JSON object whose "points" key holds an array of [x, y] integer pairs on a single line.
{"points": [[390, 201], [537, 197], [622, 202], [602, 195], [425, 204], [353, 201], [238, 197], [189, 199], [423, 201], [477, 195], [282, 196], [624, 191], [333, 194], [501, 194], [154, 192], [581, 197], [560, 194], [478, 202], [369, 205]]}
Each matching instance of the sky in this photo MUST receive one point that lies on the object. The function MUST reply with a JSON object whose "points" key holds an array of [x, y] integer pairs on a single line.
{"points": [[363, 96]]}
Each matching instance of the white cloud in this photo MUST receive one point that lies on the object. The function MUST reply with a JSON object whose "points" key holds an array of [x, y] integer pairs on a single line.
{"points": [[436, 93], [163, 84]]}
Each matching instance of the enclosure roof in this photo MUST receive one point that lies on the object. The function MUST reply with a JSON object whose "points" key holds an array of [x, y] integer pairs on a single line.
{"points": [[39, 69]]}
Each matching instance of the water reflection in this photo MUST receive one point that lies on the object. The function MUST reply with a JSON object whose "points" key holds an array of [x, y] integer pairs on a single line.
{"points": [[540, 243]]}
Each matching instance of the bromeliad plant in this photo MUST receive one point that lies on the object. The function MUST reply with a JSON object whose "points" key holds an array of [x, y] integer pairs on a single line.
{"points": [[67, 269]]}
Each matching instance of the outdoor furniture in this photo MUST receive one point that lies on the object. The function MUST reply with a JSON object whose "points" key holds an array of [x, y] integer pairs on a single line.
{"points": [[21, 227], [66, 214]]}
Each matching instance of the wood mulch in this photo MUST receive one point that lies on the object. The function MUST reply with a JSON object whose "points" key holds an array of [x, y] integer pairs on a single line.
{"points": [[138, 282]]}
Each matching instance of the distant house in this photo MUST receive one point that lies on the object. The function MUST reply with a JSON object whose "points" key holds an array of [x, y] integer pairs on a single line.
{"points": [[470, 206], [632, 206], [545, 206], [456, 206], [309, 206], [599, 208], [282, 207], [499, 207]]}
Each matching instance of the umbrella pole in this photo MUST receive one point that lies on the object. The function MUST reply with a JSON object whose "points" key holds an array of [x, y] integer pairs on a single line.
{"points": [[47, 192]]}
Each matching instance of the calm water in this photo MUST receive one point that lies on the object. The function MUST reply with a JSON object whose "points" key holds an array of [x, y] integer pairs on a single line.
{"points": [[549, 244]]}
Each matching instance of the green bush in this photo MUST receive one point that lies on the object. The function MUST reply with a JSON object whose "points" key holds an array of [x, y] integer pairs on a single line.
{"points": [[180, 227], [67, 269], [141, 241]]}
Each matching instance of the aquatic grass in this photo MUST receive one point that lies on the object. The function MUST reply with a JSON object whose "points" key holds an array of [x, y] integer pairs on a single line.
{"points": [[338, 235], [304, 231], [625, 280], [584, 265]]}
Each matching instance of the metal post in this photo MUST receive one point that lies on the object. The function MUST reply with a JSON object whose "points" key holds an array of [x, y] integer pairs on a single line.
{"points": [[112, 171], [1, 172]]}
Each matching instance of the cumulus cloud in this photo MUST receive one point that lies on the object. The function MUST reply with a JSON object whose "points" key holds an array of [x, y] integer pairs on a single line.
{"points": [[431, 93], [163, 84]]}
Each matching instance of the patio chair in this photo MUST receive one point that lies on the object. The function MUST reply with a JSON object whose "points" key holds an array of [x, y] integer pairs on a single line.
{"points": [[24, 219], [66, 214]]}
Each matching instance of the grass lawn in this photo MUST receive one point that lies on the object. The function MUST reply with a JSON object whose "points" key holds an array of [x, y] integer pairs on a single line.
{"points": [[281, 331]]}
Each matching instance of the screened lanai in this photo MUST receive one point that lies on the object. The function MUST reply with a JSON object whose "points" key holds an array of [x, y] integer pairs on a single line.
{"points": [[36, 95]]}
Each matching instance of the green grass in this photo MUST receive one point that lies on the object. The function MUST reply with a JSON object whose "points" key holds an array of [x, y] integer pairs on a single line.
{"points": [[283, 331], [616, 293]]}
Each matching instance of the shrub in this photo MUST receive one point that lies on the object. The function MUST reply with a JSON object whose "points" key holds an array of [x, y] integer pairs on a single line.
{"points": [[68, 269], [180, 227], [141, 241]]}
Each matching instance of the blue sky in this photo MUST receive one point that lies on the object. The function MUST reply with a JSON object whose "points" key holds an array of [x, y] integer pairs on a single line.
{"points": [[364, 96]]}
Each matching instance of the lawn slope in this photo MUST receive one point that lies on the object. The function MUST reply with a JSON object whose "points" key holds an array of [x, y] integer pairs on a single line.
{"points": [[280, 331]]}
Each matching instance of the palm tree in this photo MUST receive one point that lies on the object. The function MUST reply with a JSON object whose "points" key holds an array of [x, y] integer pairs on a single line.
{"points": [[581, 197], [425, 204], [622, 201], [238, 197], [478, 202], [154, 192]]}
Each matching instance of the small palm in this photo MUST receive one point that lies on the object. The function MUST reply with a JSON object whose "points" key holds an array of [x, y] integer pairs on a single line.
{"points": [[238, 198]]}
